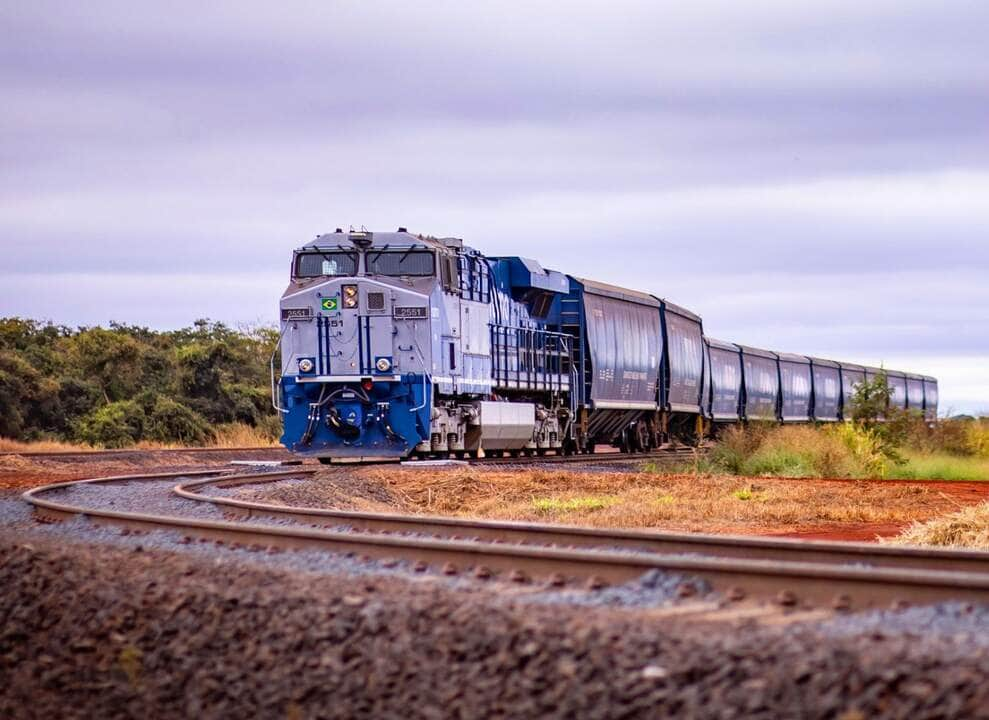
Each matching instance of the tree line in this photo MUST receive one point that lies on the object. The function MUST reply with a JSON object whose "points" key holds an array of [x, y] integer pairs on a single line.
{"points": [[123, 384]]}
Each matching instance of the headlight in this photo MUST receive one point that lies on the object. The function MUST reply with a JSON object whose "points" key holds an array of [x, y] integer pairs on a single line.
{"points": [[350, 296], [305, 365], [383, 364]]}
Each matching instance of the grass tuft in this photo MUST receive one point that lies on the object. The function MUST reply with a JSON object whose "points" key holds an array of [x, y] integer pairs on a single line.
{"points": [[967, 528], [558, 505]]}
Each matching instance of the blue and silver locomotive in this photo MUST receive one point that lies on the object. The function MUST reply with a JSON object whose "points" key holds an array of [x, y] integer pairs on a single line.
{"points": [[394, 344]]}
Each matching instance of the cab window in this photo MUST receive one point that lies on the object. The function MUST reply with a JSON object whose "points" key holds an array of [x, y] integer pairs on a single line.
{"points": [[418, 263], [317, 264]]}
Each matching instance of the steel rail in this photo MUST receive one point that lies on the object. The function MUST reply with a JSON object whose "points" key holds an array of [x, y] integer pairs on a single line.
{"points": [[792, 583], [571, 536], [671, 454]]}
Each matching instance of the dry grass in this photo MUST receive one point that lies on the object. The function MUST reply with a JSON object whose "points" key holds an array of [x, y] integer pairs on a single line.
{"points": [[630, 500], [241, 435], [232, 435], [966, 528], [8, 445]]}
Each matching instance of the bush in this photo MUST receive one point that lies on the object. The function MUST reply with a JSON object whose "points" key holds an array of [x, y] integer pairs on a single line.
{"points": [[870, 400], [866, 446], [977, 437], [62, 383], [116, 425], [170, 421], [842, 450]]}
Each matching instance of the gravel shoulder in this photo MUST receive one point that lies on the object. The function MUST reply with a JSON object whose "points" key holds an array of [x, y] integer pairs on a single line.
{"points": [[135, 630]]}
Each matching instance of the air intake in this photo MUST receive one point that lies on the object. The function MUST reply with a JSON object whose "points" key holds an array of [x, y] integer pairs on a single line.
{"points": [[375, 301]]}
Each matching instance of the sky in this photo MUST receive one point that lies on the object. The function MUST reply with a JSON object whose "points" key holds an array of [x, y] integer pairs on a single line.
{"points": [[808, 177]]}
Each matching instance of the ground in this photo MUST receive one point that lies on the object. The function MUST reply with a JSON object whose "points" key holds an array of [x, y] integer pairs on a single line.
{"points": [[104, 623], [587, 495], [820, 509], [129, 630]]}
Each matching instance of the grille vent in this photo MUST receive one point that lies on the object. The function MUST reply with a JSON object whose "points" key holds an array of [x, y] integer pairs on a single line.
{"points": [[375, 301]]}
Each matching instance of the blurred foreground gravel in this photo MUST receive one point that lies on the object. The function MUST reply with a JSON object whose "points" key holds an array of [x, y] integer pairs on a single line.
{"points": [[137, 629]]}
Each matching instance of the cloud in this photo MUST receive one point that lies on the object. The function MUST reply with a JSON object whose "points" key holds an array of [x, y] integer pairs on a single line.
{"points": [[808, 178]]}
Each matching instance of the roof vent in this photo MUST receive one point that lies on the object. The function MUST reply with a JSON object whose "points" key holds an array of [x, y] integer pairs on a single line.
{"points": [[401, 229], [338, 230]]}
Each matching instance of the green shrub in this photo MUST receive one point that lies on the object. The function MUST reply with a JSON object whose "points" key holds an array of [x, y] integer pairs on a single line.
{"points": [[57, 382], [870, 400], [172, 422], [116, 425], [866, 446]]}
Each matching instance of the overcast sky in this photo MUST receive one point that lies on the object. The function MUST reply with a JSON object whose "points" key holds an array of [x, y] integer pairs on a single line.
{"points": [[809, 177]]}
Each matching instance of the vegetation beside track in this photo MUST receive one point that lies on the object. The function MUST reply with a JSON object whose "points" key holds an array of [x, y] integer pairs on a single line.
{"points": [[966, 528], [120, 386], [848, 451], [878, 442], [606, 499]]}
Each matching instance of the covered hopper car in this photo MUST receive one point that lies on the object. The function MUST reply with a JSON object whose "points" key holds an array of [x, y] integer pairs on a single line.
{"points": [[394, 344]]}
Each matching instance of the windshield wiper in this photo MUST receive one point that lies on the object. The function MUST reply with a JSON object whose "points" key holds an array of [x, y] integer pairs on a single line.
{"points": [[412, 247], [371, 260]]}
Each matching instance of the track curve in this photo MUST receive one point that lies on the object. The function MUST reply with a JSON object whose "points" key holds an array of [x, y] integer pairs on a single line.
{"points": [[792, 572]]}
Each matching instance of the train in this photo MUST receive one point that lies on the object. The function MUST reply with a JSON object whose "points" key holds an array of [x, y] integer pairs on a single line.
{"points": [[396, 345]]}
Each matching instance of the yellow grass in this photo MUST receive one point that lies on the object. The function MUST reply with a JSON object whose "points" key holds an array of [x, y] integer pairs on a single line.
{"points": [[241, 435], [682, 502], [232, 435], [966, 528], [8, 445]]}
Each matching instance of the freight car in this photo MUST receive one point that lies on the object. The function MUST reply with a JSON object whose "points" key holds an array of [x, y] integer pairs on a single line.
{"points": [[394, 344]]}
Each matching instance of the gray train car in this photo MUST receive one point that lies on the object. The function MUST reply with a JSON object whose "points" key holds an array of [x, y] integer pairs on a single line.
{"points": [[826, 402], [624, 350], [761, 384], [915, 393], [930, 398], [725, 399], [795, 387], [897, 383], [683, 367]]}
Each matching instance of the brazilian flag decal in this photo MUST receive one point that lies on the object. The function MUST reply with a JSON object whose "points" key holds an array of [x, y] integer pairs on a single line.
{"points": [[329, 303]]}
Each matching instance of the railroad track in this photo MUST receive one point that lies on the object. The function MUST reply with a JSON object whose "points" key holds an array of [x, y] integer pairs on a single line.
{"points": [[665, 455], [811, 576]]}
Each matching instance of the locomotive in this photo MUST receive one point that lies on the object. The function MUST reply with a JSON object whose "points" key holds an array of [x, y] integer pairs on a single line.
{"points": [[395, 344]]}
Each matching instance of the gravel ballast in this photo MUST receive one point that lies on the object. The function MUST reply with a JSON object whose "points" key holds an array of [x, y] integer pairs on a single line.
{"points": [[111, 631]]}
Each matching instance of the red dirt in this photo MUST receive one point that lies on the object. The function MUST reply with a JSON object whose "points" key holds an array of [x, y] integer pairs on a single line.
{"points": [[852, 532]]}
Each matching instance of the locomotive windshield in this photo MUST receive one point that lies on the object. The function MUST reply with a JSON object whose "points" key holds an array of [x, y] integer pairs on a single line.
{"points": [[317, 264], [400, 262]]}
